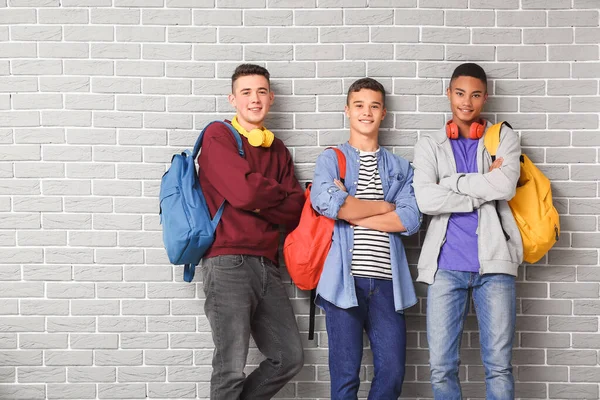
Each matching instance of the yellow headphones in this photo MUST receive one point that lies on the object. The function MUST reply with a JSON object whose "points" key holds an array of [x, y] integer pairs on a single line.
{"points": [[256, 137]]}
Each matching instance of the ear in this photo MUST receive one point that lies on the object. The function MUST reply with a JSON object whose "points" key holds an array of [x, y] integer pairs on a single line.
{"points": [[448, 92], [231, 99], [271, 97], [347, 110], [384, 113], [485, 97]]}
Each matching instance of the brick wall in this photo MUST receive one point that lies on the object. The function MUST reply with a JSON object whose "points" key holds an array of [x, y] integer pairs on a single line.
{"points": [[96, 95]]}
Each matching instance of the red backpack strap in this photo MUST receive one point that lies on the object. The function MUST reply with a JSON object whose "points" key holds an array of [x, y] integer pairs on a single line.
{"points": [[341, 162]]}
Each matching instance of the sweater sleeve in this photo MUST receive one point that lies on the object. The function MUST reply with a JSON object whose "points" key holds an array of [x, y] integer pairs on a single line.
{"points": [[499, 184], [433, 198], [288, 211], [231, 175]]}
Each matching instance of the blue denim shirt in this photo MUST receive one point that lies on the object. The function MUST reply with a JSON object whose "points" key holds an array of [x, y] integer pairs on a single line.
{"points": [[337, 283]]}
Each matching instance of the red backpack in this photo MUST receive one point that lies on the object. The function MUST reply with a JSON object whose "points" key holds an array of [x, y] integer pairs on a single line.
{"points": [[306, 247]]}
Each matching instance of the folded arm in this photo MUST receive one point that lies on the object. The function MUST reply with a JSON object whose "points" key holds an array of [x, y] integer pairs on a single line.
{"points": [[354, 208], [406, 217], [231, 175], [388, 222], [432, 198], [330, 200], [288, 211], [499, 183]]}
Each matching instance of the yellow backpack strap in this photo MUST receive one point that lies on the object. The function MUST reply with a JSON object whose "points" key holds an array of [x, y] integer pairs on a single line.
{"points": [[491, 139]]}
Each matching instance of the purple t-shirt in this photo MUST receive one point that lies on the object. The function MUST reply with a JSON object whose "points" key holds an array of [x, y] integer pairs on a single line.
{"points": [[459, 252]]}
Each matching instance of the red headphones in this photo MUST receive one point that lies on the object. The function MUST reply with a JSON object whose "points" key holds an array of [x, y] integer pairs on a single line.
{"points": [[476, 131]]}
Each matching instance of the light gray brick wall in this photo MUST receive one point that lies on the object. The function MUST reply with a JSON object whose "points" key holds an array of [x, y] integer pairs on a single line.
{"points": [[95, 96]]}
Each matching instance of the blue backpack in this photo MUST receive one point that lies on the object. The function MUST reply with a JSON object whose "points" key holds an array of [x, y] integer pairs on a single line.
{"points": [[188, 229]]}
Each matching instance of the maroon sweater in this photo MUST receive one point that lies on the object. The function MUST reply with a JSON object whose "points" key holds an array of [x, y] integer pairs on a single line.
{"points": [[264, 179]]}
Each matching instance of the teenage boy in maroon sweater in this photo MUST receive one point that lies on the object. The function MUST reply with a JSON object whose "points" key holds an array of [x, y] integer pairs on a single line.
{"points": [[242, 282]]}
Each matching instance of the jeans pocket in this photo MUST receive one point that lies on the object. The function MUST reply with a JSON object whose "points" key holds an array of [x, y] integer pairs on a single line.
{"points": [[227, 261], [206, 278]]}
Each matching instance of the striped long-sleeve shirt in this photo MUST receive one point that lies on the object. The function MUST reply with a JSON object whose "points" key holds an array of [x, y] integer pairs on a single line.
{"points": [[371, 250]]}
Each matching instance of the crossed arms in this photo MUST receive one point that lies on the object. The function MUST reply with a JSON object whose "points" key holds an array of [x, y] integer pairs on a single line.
{"points": [[278, 201], [330, 198], [465, 192]]}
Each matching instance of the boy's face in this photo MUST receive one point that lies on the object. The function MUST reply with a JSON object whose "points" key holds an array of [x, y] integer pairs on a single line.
{"points": [[467, 96], [252, 99], [365, 111]]}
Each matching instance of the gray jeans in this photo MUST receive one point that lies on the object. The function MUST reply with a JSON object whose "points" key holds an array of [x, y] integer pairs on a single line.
{"points": [[245, 296]]}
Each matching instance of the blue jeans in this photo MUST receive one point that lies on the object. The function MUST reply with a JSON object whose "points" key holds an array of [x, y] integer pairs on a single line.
{"points": [[245, 296], [447, 306], [386, 330]]}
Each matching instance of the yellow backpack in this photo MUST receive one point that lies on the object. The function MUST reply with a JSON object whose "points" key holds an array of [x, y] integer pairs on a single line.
{"points": [[532, 206]]}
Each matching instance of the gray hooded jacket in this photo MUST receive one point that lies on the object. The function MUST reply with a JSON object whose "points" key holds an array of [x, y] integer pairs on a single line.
{"points": [[441, 191]]}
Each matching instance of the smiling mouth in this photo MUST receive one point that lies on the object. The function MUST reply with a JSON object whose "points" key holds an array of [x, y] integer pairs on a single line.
{"points": [[465, 110], [365, 121], [255, 109]]}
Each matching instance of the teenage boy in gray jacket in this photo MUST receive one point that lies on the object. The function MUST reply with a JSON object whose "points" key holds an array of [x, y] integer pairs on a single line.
{"points": [[473, 246]]}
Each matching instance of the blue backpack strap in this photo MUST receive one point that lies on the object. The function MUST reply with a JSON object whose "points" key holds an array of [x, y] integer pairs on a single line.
{"points": [[217, 217], [234, 132], [237, 137], [188, 272]]}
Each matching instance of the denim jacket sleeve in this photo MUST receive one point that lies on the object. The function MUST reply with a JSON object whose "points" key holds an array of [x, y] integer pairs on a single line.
{"points": [[406, 203], [325, 196]]}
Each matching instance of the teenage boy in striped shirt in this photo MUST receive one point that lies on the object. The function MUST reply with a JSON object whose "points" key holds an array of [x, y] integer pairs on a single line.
{"points": [[366, 283]]}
